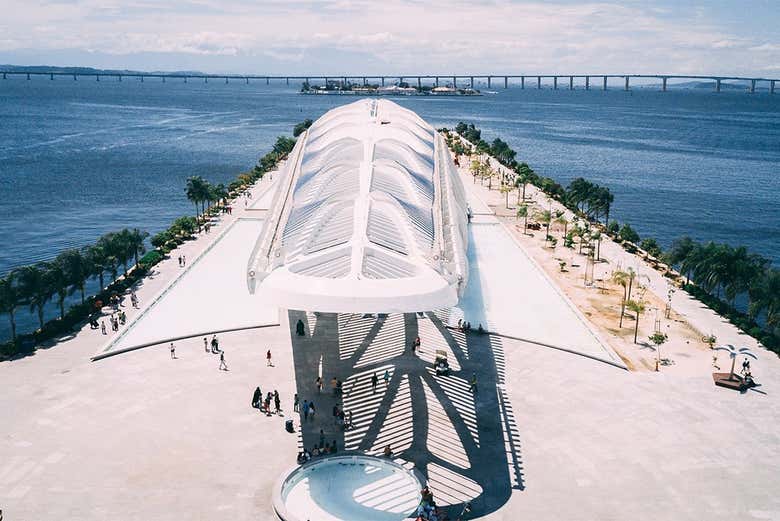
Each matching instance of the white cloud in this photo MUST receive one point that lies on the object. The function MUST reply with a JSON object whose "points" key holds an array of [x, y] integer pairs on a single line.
{"points": [[434, 36]]}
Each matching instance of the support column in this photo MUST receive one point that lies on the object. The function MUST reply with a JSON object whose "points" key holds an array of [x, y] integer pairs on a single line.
{"points": [[538, 82], [28, 75], [436, 81], [364, 81], [555, 82], [489, 78], [5, 77], [383, 81], [205, 79], [587, 82], [454, 81], [471, 82], [247, 80], [287, 80], [74, 77], [522, 82], [51, 77], [772, 87], [626, 82], [97, 77], [506, 82], [571, 82], [419, 82], [605, 83], [663, 80], [344, 83], [717, 85], [142, 79], [752, 86], [163, 79], [267, 80], [185, 79]]}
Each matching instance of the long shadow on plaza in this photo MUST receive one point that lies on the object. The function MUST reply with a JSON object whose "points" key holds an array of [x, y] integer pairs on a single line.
{"points": [[466, 444]]}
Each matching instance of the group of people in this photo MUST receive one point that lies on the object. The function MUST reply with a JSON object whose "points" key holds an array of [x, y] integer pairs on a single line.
{"points": [[213, 348], [342, 419], [427, 510], [375, 380], [322, 449], [182, 261], [264, 404]]}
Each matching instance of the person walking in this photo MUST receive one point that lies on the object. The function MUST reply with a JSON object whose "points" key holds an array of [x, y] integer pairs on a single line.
{"points": [[318, 384], [374, 381], [258, 394], [103, 326], [333, 385], [183, 260], [387, 378], [206, 344], [180, 261], [268, 359], [214, 344], [305, 410], [222, 364], [312, 410], [295, 403], [173, 351], [473, 384]]}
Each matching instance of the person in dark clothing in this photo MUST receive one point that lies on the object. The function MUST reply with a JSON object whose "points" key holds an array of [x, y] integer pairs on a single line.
{"points": [[277, 401], [256, 398], [299, 328]]}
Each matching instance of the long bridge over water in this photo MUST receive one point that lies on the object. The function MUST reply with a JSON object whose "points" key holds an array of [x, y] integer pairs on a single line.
{"points": [[559, 81]]}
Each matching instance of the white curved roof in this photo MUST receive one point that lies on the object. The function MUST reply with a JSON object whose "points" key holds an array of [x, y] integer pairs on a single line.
{"points": [[369, 217]]}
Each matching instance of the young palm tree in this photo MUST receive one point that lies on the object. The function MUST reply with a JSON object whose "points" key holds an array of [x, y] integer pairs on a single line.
{"points": [[621, 278], [544, 217], [522, 211], [9, 300], [561, 220], [35, 288], [638, 307], [505, 189]]}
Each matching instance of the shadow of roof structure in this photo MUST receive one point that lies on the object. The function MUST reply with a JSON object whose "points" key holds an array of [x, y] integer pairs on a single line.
{"points": [[467, 445]]}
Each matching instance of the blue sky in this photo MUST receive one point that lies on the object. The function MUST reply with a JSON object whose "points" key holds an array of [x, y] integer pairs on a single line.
{"points": [[397, 36]]}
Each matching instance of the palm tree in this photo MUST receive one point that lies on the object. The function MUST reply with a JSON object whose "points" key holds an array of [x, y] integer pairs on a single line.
{"points": [[680, 250], [765, 297], [76, 267], [621, 278], [734, 353], [595, 235], [523, 176], [9, 300], [97, 257], [137, 238], [638, 307], [35, 288], [505, 189], [522, 211], [544, 217], [560, 219], [59, 282]]}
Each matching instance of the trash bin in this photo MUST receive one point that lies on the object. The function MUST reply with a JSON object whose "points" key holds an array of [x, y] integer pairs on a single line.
{"points": [[288, 426]]}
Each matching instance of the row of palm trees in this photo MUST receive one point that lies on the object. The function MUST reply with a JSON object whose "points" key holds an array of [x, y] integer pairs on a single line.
{"points": [[68, 273], [721, 269], [203, 194]]}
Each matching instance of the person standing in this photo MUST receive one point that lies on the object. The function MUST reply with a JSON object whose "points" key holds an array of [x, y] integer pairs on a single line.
{"points": [[268, 359], [318, 383], [180, 261], [277, 402], [103, 326], [258, 394], [205, 344], [305, 410], [222, 364], [183, 260], [374, 381], [312, 410], [173, 351], [473, 384], [295, 403]]}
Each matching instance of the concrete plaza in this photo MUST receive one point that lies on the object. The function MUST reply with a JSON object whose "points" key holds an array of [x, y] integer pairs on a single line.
{"points": [[549, 435]]}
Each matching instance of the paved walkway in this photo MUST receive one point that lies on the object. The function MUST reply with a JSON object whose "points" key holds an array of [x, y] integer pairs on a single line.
{"points": [[209, 294]]}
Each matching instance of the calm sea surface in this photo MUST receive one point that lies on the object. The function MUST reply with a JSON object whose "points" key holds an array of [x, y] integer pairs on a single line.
{"points": [[81, 158]]}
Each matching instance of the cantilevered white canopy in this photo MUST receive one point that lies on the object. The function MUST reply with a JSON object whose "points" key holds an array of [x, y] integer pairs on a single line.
{"points": [[370, 217]]}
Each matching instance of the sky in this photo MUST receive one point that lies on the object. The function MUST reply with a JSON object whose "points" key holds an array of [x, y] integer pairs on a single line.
{"points": [[724, 37]]}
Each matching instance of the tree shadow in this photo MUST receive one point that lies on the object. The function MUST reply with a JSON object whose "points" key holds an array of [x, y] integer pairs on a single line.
{"points": [[466, 444]]}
